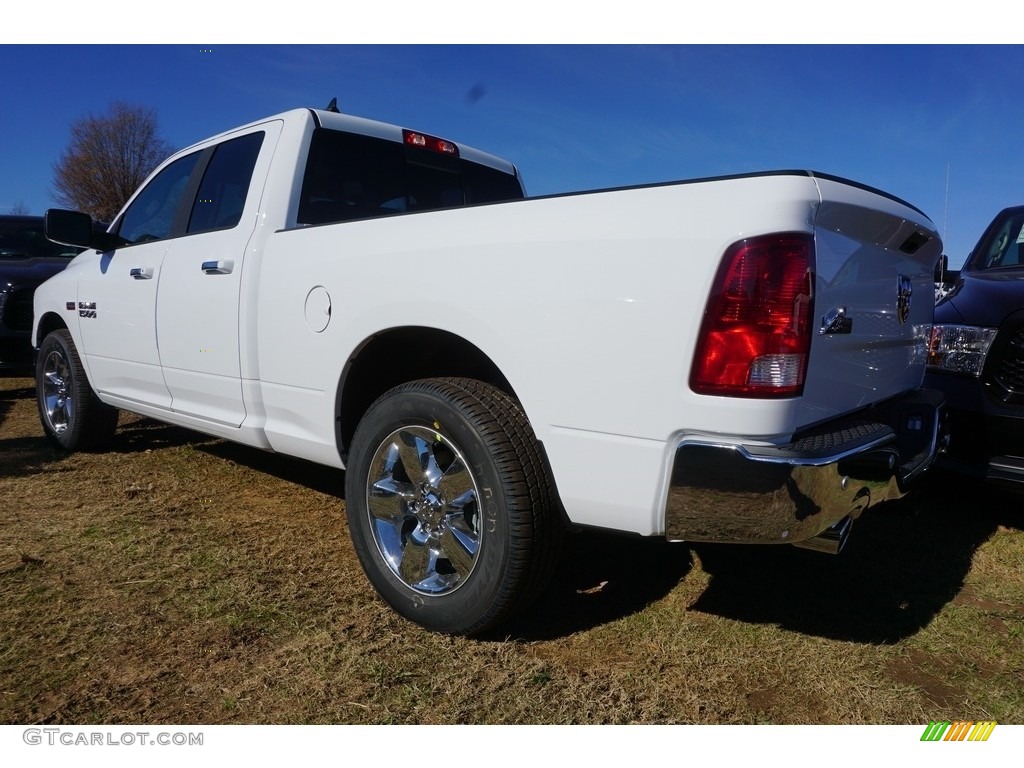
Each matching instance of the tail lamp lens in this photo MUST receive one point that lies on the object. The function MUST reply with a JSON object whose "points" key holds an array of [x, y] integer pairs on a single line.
{"points": [[756, 333]]}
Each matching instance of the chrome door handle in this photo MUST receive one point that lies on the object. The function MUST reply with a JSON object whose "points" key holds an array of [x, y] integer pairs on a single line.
{"points": [[141, 273], [222, 267]]}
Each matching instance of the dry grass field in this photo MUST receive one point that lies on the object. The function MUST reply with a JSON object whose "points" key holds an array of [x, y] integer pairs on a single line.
{"points": [[179, 579]]}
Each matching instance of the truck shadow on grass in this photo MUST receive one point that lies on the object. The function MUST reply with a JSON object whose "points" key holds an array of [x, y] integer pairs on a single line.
{"points": [[29, 455], [904, 562], [602, 577], [21, 455], [321, 478], [146, 434], [142, 434]]}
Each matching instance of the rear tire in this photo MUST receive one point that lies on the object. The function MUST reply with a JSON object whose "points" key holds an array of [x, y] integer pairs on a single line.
{"points": [[73, 418], [450, 505]]}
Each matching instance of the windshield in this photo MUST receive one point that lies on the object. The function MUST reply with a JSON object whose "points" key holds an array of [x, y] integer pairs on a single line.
{"points": [[1003, 244], [23, 239]]}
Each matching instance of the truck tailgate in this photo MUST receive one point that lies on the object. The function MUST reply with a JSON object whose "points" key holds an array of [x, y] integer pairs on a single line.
{"points": [[873, 300]]}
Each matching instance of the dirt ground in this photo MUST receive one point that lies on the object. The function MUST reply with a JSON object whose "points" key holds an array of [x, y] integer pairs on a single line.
{"points": [[180, 579]]}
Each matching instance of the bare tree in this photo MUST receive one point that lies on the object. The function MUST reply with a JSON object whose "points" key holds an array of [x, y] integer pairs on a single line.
{"points": [[107, 158], [20, 209]]}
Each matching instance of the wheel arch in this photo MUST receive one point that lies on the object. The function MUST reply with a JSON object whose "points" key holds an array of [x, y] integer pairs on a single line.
{"points": [[48, 323], [426, 352]]}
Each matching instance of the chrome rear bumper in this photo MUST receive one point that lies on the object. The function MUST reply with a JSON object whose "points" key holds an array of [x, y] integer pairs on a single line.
{"points": [[806, 492]]}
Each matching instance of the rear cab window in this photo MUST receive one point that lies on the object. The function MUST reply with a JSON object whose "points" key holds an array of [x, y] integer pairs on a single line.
{"points": [[350, 176]]}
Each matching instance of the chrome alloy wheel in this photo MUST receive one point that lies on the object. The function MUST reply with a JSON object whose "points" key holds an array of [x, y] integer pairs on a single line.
{"points": [[424, 511], [57, 395]]}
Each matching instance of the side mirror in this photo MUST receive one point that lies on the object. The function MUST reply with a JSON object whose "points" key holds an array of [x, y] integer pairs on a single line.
{"points": [[77, 229]]}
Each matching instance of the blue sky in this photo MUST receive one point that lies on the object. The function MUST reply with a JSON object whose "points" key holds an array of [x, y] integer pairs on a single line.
{"points": [[898, 117]]}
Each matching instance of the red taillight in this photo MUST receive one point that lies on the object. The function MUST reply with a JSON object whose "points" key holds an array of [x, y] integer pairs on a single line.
{"points": [[434, 144], [757, 324]]}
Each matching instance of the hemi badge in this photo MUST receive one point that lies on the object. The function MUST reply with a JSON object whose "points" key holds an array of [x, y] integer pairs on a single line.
{"points": [[70, 306]]}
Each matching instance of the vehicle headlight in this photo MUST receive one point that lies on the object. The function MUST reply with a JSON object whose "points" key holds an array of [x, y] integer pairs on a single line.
{"points": [[959, 348]]}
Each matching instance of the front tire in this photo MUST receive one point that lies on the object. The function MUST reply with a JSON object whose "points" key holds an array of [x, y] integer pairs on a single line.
{"points": [[450, 505], [73, 418]]}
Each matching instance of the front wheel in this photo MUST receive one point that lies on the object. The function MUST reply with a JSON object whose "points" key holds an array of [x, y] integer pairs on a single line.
{"points": [[72, 416], [450, 504]]}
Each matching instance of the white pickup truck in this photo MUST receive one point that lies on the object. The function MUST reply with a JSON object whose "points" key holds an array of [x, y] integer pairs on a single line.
{"points": [[732, 359]]}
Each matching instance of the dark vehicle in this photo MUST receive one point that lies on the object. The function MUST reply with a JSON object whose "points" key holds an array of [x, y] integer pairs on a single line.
{"points": [[27, 259], [976, 355]]}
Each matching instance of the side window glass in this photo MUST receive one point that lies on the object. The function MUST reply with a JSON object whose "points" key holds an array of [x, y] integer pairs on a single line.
{"points": [[225, 185], [1004, 248], [151, 214]]}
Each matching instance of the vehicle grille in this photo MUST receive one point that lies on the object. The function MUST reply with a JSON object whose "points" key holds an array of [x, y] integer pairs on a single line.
{"points": [[1010, 373], [18, 309]]}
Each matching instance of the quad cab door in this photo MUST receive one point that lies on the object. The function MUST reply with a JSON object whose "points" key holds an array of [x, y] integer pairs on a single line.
{"points": [[197, 303], [117, 292]]}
